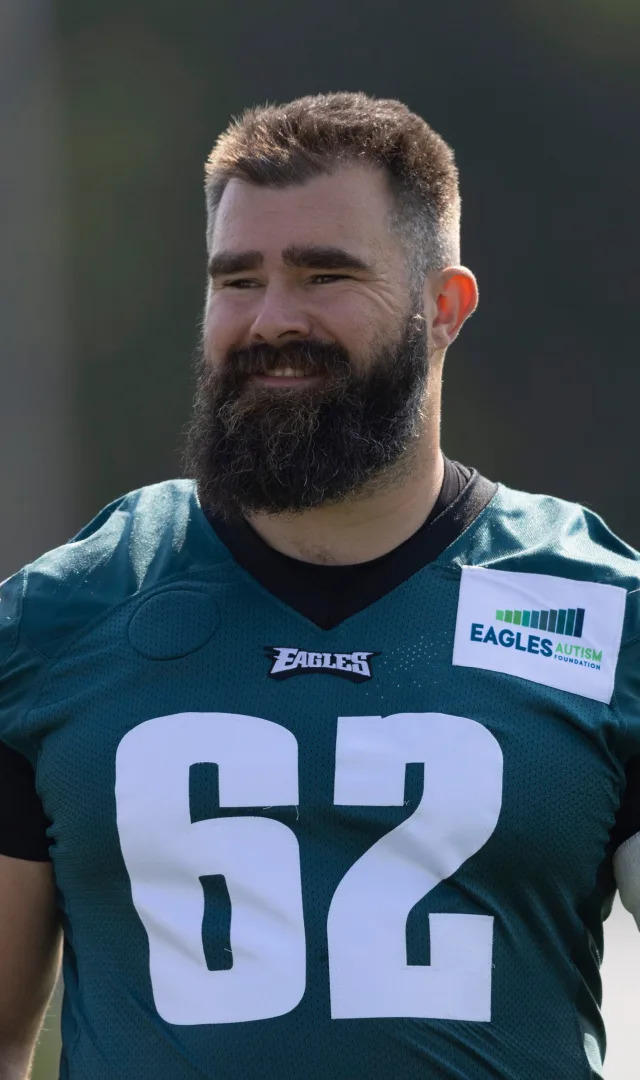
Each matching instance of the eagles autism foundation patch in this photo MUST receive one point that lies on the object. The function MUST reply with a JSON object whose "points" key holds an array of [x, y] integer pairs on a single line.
{"points": [[550, 630]]}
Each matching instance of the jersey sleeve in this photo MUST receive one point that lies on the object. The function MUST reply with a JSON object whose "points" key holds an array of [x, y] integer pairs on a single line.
{"points": [[42, 608], [23, 822]]}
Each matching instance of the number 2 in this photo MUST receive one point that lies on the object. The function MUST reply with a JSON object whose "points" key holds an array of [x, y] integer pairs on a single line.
{"points": [[368, 915], [166, 854]]}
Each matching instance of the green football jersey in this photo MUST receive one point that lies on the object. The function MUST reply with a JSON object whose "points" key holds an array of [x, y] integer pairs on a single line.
{"points": [[376, 852]]}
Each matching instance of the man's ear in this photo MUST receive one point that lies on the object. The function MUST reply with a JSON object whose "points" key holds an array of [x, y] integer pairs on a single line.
{"points": [[455, 292]]}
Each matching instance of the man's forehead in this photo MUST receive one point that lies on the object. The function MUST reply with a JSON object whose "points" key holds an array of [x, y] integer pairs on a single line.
{"points": [[349, 207]]}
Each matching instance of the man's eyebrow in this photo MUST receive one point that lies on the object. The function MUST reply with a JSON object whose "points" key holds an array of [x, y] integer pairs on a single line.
{"points": [[322, 257], [310, 257], [234, 262]]}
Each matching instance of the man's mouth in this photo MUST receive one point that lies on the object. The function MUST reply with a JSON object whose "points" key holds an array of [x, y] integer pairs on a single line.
{"points": [[287, 376]]}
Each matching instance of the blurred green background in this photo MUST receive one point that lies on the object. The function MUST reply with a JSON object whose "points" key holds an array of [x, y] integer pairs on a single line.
{"points": [[108, 110]]}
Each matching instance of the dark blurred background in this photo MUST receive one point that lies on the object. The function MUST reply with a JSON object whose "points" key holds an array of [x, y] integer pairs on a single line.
{"points": [[108, 110], [111, 108]]}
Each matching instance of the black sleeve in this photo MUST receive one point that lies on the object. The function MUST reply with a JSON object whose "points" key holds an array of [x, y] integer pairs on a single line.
{"points": [[628, 819], [23, 822]]}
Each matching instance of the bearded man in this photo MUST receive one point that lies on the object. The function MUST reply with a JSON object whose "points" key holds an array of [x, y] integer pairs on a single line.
{"points": [[323, 763]]}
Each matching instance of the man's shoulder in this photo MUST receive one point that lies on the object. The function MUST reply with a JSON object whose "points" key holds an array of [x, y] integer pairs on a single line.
{"points": [[139, 541], [552, 534], [529, 533], [567, 531]]}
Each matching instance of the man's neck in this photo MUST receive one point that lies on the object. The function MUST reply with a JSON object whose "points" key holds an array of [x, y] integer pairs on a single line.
{"points": [[362, 528]]}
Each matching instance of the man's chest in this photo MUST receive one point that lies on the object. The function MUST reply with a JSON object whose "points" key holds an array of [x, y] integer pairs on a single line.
{"points": [[220, 768]]}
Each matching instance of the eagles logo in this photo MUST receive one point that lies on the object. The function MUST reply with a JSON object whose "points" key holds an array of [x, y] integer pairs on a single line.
{"points": [[354, 666]]}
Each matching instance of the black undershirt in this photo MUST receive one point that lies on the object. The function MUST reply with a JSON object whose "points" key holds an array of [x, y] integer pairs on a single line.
{"points": [[328, 594]]}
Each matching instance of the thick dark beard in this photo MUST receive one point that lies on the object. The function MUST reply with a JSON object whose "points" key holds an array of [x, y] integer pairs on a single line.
{"points": [[252, 448]]}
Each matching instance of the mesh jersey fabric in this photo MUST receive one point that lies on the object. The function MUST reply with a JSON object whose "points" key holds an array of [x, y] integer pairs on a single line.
{"points": [[222, 839]]}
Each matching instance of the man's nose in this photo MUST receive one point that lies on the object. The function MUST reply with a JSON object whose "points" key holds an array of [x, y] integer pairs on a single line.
{"points": [[281, 315]]}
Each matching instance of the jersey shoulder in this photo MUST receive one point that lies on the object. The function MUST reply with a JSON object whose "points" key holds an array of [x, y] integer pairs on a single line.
{"points": [[137, 543], [542, 534]]}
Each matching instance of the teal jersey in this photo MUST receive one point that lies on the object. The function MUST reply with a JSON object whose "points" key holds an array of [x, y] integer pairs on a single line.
{"points": [[378, 851]]}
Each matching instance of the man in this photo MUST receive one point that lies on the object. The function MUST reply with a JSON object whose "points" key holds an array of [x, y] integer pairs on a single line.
{"points": [[325, 760]]}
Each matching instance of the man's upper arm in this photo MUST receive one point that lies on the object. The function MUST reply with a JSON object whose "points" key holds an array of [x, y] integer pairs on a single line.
{"points": [[626, 838], [29, 950], [626, 834], [29, 934]]}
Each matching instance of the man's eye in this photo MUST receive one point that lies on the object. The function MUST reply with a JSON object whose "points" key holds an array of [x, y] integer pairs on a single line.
{"points": [[248, 283]]}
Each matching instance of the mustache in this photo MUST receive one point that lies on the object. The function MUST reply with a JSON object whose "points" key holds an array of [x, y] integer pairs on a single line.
{"points": [[312, 357]]}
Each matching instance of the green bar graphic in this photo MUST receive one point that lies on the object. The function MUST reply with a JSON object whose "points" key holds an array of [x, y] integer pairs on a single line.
{"points": [[567, 621]]}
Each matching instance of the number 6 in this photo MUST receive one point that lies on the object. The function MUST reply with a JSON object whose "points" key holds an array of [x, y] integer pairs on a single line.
{"points": [[165, 854]]}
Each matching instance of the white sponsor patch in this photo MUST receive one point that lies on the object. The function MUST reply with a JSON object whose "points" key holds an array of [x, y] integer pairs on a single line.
{"points": [[549, 630]]}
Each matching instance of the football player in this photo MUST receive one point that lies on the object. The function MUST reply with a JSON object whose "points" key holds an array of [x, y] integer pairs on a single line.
{"points": [[322, 762]]}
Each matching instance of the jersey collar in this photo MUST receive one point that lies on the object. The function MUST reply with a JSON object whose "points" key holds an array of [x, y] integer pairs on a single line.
{"points": [[327, 595]]}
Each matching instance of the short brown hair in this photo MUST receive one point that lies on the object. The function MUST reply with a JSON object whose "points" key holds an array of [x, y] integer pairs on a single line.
{"points": [[279, 145]]}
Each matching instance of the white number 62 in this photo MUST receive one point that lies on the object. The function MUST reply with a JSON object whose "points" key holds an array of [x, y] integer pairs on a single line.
{"points": [[166, 854]]}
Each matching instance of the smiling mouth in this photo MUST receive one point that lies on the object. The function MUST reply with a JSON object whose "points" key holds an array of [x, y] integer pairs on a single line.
{"points": [[287, 377]]}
